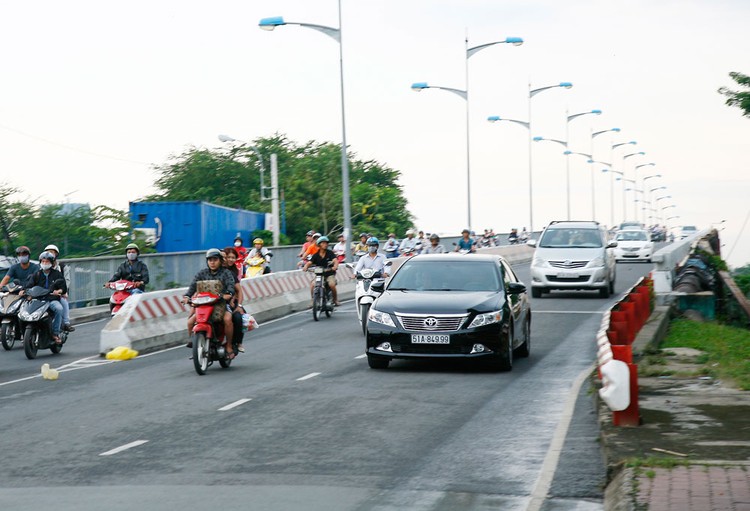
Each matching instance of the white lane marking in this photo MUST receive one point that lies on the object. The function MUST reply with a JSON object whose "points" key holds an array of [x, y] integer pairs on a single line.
{"points": [[363, 355], [307, 377], [162, 351], [566, 312], [124, 447], [20, 380], [234, 405], [547, 473]]}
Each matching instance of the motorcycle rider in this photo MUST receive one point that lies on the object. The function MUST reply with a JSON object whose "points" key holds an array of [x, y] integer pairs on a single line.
{"points": [[391, 246], [306, 245], [22, 269], [215, 271], [50, 278], [410, 243], [513, 236], [434, 247], [259, 251], [313, 248], [466, 242], [340, 248], [241, 251], [373, 260], [421, 242], [235, 304], [133, 270], [64, 299], [326, 259], [361, 245]]}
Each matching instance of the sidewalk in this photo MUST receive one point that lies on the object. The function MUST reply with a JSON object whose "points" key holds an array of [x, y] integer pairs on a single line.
{"points": [[692, 451]]}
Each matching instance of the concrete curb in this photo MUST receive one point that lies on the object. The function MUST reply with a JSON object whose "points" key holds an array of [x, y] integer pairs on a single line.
{"points": [[87, 314]]}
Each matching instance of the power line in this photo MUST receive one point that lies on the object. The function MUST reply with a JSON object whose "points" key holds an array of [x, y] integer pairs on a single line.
{"points": [[71, 148], [739, 236]]}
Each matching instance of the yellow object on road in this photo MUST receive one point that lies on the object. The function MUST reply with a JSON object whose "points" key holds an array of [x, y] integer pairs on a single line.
{"points": [[122, 353], [49, 374]]}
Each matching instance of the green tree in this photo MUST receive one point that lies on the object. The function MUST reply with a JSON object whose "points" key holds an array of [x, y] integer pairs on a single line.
{"points": [[740, 98], [309, 178]]}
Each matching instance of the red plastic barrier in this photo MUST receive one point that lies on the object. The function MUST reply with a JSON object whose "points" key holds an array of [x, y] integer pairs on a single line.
{"points": [[624, 353], [629, 309], [622, 331], [631, 415]]}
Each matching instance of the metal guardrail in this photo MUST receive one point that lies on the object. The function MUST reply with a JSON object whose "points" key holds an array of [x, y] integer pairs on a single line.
{"points": [[668, 258]]}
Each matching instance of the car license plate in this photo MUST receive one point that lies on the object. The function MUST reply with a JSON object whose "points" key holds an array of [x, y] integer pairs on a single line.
{"points": [[430, 339], [567, 275]]}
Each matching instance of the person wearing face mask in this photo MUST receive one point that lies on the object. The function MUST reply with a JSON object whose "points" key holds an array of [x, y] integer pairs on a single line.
{"points": [[241, 251], [22, 269], [50, 278], [133, 269], [373, 260]]}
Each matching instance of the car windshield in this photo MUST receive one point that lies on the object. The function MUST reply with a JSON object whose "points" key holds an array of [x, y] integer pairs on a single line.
{"points": [[632, 236], [689, 228], [446, 276], [571, 238]]}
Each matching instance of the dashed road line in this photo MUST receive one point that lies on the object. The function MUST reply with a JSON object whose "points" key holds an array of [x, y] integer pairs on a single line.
{"points": [[308, 376], [359, 357], [124, 447], [234, 405]]}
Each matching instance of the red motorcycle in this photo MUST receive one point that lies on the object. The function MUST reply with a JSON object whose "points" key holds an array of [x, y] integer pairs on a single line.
{"points": [[122, 291], [208, 336]]}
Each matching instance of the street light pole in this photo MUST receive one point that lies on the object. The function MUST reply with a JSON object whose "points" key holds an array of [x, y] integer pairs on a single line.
{"points": [[532, 93], [335, 34], [420, 86], [635, 207], [612, 180], [595, 134], [569, 118], [636, 178]]}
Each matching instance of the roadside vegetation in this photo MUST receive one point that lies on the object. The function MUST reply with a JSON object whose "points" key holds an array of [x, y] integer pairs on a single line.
{"points": [[726, 348]]}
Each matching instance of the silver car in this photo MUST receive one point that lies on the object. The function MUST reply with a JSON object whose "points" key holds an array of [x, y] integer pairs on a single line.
{"points": [[573, 255]]}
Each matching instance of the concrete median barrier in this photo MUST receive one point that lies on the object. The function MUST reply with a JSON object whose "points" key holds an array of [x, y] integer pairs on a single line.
{"points": [[156, 320]]}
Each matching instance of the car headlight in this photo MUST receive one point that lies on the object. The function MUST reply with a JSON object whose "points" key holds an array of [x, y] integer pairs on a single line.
{"points": [[596, 262], [539, 262], [381, 317], [487, 318]]}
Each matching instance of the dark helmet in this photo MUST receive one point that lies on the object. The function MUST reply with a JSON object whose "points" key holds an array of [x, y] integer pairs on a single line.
{"points": [[238, 237], [47, 255], [434, 237], [214, 252], [363, 235], [23, 249], [373, 241], [310, 233]]}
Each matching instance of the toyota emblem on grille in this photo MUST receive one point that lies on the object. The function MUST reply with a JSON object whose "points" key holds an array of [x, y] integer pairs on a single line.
{"points": [[568, 262], [430, 323]]}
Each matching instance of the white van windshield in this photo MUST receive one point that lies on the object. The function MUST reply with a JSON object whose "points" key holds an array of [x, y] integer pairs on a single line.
{"points": [[571, 238]]}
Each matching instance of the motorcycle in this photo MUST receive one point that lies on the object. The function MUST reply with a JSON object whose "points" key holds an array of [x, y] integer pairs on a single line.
{"points": [[122, 292], [364, 295], [513, 239], [322, 296], [10, 304], [208, 336], [36, 320], [463, 250], [257, 265]]}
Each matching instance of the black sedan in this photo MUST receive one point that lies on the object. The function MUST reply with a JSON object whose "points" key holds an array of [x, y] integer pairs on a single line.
{"points": [[450, 306]]}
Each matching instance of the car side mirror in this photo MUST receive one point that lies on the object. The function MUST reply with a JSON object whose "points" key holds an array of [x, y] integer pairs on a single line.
{"points": [[516, 288], [378, 286], [531, 243], [612, 244]]}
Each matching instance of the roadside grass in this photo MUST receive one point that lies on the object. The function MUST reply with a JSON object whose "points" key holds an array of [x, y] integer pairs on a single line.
{"points": [[727, 348]]}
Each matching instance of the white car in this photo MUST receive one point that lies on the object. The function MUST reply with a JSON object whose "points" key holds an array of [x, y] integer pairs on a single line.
{"points": [[633, 245], [687, 231]]}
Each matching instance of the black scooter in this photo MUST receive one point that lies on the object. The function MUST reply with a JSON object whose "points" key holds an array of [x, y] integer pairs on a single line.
{"points": [[36, 321], [10, 304]]}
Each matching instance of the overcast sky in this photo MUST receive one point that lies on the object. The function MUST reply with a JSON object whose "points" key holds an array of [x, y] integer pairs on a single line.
{"points": [[94, 93]]}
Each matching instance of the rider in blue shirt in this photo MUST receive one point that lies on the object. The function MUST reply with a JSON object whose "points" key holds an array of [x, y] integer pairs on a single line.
{"points": [[466, 243]]}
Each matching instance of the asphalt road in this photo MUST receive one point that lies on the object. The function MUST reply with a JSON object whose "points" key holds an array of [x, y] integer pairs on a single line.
{"points": [[308, 426]]}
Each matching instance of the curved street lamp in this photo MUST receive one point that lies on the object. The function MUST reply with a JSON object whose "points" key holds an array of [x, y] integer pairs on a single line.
{"points": [[270, 24], [595, 134], [532, 93], [569, 118], [612, 180], [464, 94]]}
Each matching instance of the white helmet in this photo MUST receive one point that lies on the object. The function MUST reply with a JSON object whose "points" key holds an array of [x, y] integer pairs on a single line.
{"points": [[52, 247], [410, 232]]}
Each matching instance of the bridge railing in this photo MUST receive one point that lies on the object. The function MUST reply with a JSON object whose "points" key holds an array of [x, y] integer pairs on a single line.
{"points": [[670, 257]]}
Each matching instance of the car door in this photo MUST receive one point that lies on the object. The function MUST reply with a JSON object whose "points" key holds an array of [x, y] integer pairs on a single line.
{"points": [[516, 302]]}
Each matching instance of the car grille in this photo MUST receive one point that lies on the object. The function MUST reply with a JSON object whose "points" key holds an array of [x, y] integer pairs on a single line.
{"points": [[554, 278], [568, 265], [427, 323], [432, 349], [630, 249]]}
